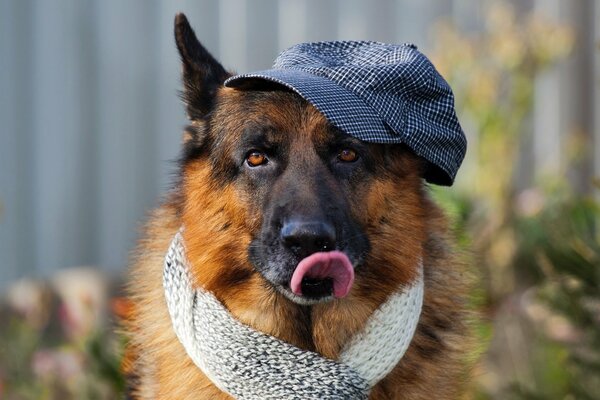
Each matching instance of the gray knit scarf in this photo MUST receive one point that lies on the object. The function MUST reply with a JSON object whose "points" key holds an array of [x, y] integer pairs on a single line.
{"points": [[248, 364]]}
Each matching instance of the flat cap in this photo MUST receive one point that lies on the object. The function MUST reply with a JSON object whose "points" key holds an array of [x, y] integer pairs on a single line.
{"points": [[376, 92]]}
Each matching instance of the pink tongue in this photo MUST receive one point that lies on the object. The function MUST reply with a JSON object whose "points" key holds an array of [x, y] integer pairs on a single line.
{"points": [[331, 264]]}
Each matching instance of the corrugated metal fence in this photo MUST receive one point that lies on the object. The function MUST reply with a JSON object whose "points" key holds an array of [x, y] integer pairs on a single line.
{"points": [[90, 119]]}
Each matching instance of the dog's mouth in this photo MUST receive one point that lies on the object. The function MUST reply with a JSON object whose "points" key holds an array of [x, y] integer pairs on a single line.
{"points": [[321, 277], [316, 288]]}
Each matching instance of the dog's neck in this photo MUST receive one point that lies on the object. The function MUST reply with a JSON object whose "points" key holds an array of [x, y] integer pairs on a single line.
{"points": [[249, 364]]}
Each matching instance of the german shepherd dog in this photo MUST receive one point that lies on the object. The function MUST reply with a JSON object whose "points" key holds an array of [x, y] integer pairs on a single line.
{"points": [[266, 180]]}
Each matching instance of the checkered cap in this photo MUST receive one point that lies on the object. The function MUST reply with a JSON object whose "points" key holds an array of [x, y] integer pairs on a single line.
{"points": [[376, 92]]}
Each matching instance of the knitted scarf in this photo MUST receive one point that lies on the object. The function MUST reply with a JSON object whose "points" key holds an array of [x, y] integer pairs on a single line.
{"points": [[248, 364]]}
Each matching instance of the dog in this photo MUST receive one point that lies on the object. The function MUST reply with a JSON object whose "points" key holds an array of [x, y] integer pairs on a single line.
{"points": [[266, 181]]}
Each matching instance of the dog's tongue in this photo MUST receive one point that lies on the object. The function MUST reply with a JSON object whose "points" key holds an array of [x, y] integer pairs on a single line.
{"points": [[332, 264]]}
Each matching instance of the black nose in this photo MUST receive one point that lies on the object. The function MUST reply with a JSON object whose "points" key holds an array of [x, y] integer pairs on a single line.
{"points": [[305, 238]]}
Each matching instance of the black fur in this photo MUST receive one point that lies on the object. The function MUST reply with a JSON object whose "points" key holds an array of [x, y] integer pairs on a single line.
{"points": [[202, 74]]}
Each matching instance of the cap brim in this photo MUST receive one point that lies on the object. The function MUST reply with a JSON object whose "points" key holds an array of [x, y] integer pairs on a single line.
{"points": [[340, 106]]}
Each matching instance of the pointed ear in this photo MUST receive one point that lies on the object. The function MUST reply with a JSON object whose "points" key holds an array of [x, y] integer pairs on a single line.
{"points": [[202, 74]]}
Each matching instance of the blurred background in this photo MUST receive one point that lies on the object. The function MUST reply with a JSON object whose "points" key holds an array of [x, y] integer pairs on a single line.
{"points": [[90, 127]]}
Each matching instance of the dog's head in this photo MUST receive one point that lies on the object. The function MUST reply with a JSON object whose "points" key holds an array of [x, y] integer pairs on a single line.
{"points": [[277, 200]]}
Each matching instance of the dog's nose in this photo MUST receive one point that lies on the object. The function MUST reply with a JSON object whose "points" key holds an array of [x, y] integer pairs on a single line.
{"points": [[305, 238]]}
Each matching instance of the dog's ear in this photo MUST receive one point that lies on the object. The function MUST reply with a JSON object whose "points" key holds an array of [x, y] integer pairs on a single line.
{"points": [[202, 74]]}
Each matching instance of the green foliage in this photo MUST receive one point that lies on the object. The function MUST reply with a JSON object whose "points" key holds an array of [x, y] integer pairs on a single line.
{"points": [[539, 248], [561, 245]]}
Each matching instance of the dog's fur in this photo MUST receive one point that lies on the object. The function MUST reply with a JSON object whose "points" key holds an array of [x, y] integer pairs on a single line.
{"points": [[378, 204]]}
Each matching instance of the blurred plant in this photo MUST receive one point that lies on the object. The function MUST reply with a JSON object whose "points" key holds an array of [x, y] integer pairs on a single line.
{"points": [[56, 341], [538, 249], [492, 73], [561, 245]]}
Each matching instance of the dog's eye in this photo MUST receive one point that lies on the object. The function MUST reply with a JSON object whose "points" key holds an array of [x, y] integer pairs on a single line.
{"points": [[347, 155], [256, 158]]}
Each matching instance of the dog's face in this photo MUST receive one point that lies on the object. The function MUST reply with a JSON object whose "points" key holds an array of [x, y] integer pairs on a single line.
{"points": [[278, 200], [305, 179]]}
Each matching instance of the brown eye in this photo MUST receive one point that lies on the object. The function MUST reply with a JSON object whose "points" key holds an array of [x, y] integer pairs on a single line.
{"points": [[347, 155], [256, 158]]}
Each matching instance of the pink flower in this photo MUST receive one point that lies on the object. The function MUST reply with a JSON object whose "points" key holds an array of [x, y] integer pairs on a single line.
{"points": [[62, 364]]}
